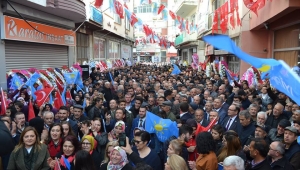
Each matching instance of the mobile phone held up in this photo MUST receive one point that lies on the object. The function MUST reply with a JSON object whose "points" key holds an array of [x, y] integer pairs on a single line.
{"points": [[122, 139]]}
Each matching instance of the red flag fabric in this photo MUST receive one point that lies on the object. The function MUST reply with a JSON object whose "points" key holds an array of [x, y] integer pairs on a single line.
{"points": [[42, 95], [161, 7], [214, 27], [119, 9], [125, 5], [58, 102], [261, 3], [68, 95], [224, 19], [98, 3], [3, 103], [238, 20], [171, 13], [232, 9], [133, 19], [31, 113], [187, 26], [205, 129]]}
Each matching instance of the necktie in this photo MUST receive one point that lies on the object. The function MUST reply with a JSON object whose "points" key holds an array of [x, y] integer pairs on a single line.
{"points": [[227, 127], [141, 123]]}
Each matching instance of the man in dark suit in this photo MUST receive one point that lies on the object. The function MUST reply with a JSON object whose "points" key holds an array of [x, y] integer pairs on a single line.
{"points": [[139, 121], [232, 122], [199, 117], [218, 103], [193, 93], [276, 116], [63, 114], [184, 114]]}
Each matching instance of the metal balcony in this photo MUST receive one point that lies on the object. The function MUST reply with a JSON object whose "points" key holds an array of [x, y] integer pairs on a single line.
{"points": [[184, 7]]}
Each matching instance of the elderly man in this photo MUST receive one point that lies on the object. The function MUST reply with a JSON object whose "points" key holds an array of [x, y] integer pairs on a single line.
{"points": [[276, 158], [48, 118], [199, 117], [276, 116], [276, 134], [261, 118], [233, 163], [166, 111]]}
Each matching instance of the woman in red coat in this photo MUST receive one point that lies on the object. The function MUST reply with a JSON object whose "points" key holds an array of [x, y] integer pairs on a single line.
{"points": [[55, 139]]}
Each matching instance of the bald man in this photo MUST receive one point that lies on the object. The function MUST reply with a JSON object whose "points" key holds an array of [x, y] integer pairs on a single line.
{"points": [[276, 116]]}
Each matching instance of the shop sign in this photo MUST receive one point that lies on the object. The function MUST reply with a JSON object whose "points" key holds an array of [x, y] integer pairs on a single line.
{"points": [[96, 15], [18, 29], [144, 53], [126, 51], [220, 52]]}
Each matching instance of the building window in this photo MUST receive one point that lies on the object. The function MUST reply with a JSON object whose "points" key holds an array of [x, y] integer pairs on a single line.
{"points": [[82, 47], [117, 19], [114, 50], [99, 49], [143, 9], [233, 63], [127, 24], [135, 10]]}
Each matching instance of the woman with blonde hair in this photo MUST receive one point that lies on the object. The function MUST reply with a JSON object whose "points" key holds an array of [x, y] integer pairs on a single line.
{"points": [[29, 153], [109, 147], [175, 147], [231, 146], [175, 162]]}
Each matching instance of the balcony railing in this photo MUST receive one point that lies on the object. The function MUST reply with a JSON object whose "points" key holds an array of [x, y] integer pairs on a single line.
{"points": [[183, 7]]}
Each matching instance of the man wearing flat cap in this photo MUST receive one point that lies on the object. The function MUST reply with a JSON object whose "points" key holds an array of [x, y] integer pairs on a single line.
{"points": [[276, 134], [166, 111], [78, 115], [292, 148]]}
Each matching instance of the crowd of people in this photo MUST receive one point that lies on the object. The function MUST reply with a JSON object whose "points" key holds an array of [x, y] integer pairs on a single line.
{"points": [[103, 125]]}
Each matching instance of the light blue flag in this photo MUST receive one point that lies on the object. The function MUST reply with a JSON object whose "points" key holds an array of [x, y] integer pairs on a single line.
{"points": [[16, 82], [154, 8], [163, 128], [79, 80], [281, 75], [71, 78], [83, 106], [128, 14], [165, 14], [63, 95], [176, 70], [229, 77], [34, 77], [32, 89], [112, 79]]}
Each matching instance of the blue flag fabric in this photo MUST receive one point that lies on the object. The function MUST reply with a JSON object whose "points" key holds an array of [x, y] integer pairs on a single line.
{"points": [[63, 95], [163, 128], [229, 77], [34, 77], [176, 70], [112, 79], [16, 82], [71, 78], [281, 75], [79, 80]]}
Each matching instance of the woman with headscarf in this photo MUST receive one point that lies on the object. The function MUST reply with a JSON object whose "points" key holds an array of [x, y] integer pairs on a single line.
{"points": [[118, 129], [88, 144], [118, 160]]}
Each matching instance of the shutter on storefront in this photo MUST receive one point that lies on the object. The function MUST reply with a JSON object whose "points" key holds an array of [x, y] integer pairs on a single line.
{"points": [[25, 55]]}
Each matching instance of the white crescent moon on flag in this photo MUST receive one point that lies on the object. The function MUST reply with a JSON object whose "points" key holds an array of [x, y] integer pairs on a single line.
{"points": [[44, 94]]}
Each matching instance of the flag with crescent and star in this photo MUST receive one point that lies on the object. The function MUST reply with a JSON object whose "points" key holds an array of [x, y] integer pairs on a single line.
{"points": [[42, 95]]}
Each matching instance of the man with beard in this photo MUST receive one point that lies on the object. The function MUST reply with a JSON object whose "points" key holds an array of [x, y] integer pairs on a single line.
{"points": [[185, 134], [276, 134]]}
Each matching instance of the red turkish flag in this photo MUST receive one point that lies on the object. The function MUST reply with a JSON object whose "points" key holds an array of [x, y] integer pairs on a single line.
{"points": [[31, 113], [133, 19], [58, 102], [205, 129], [3, 103], [119, 9], [187, 26], [125, 6], [42, 95], [68, 95], [261, 3], [232, 9], [224, 17], [215, 21], [161, 7], [171, 13], [98, 3]]}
